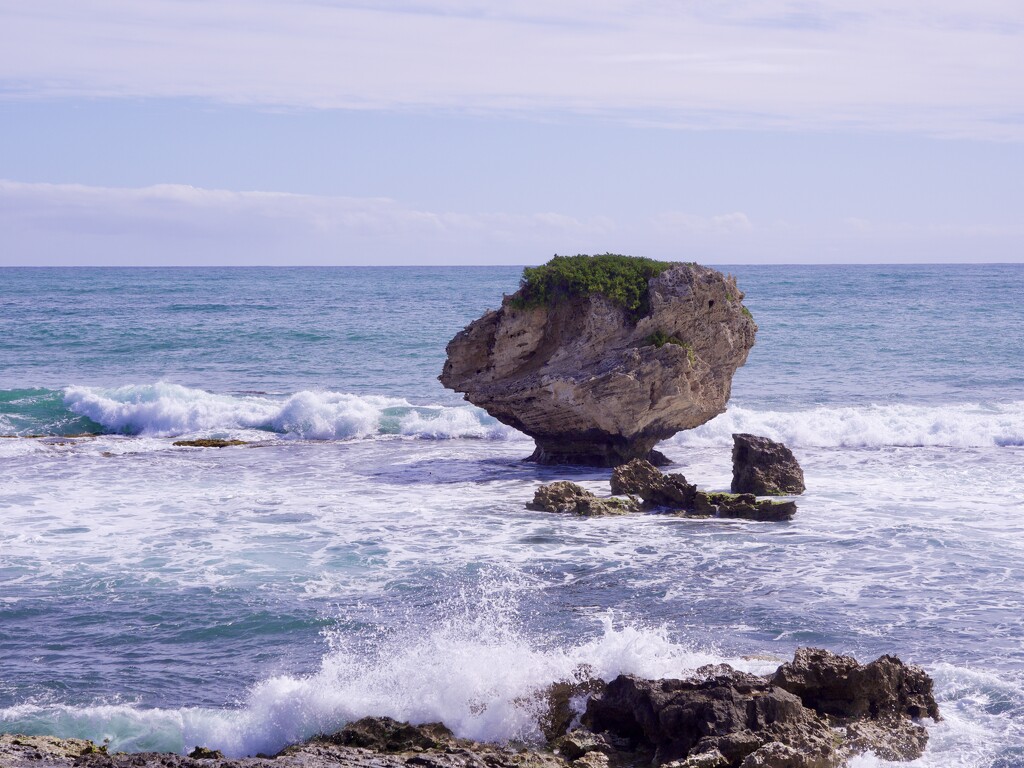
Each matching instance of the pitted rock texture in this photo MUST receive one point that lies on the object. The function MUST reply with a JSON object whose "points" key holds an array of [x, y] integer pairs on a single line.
{"points": [[764, 467], [582, 379], [839, 686], [641, 478], [731, 715], [563, 496], [815, 712], [658, 490]]}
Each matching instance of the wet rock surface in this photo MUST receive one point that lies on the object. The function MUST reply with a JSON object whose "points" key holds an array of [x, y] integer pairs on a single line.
{"points": [[569, 498], [590, 383], [743, 506], [764, 467], [838, 685], [641, 478], [815, 712], [672, 492]]}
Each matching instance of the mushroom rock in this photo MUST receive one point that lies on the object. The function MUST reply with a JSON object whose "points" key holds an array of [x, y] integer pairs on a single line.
{"points": [[598, 383]]}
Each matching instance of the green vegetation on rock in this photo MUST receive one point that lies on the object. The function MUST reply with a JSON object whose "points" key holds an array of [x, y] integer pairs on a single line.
{"points": [[659, 339], [620, 279]]}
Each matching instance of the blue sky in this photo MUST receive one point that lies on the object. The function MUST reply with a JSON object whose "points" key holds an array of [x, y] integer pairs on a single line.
{"points": [[452, 131]]}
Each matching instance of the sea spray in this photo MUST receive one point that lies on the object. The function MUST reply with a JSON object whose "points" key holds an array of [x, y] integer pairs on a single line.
{"points": [[475, 669]]}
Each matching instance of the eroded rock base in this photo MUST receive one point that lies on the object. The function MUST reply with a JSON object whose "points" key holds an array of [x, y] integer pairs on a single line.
{"points": [[595, 454]]}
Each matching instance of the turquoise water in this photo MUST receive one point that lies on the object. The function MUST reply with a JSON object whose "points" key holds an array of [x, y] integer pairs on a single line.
{"points": [[373, 555]]}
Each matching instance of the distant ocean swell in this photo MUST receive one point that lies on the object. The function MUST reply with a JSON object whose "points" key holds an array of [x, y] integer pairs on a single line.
{"points": [[171, 410]]}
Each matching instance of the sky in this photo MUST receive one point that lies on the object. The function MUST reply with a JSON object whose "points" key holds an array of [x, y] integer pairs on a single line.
{"points": [[323, 132]]}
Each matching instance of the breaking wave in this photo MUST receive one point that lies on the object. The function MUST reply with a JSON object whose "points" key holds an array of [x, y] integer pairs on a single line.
{"points": [[958, 426], [167, 410]]}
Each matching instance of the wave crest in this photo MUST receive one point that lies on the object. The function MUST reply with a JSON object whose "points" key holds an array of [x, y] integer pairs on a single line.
{"points": [[170, 410], [965, 425]]}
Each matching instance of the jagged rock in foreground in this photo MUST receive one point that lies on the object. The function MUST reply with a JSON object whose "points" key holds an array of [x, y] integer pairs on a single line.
{"points": [[815, 712], [598, 384], [764, 467], [723, 718], [563, 496], [839, 686], [671, 491]]}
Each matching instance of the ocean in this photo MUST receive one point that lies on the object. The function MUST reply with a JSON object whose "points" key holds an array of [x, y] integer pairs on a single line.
{"points": [[370, 552]]}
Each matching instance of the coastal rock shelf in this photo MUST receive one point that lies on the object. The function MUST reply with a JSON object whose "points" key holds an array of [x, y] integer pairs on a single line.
{"points": [[599, 380], [639, 479], [817, 711]]}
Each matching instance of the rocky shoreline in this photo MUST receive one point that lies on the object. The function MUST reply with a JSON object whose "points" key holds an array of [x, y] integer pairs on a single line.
{"points": [[817, 711]]}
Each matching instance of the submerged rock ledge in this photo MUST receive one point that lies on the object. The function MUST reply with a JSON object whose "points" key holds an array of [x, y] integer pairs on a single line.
{"points": [[598, 383], [817, 711]]}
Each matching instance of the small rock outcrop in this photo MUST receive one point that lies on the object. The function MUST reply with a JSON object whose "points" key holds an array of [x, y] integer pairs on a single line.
{"points": [[764, 468], [598, 383], [641, 478], [743, 506], [671, 491], [209, 442], [565, 497]]}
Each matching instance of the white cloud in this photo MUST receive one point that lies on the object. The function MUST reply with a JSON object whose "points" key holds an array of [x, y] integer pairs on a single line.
{"points": [[176, 224], [69, 224], [950, 67], [725, 223]]}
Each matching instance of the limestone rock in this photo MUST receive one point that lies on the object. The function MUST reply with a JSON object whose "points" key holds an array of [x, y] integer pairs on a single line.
{"points": [[764, 468], [565, 497], [583, 377], [744, 506], [839, 686], [559, 713], [734, 714], [890, 738], [383, 734], [641, 478]]}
